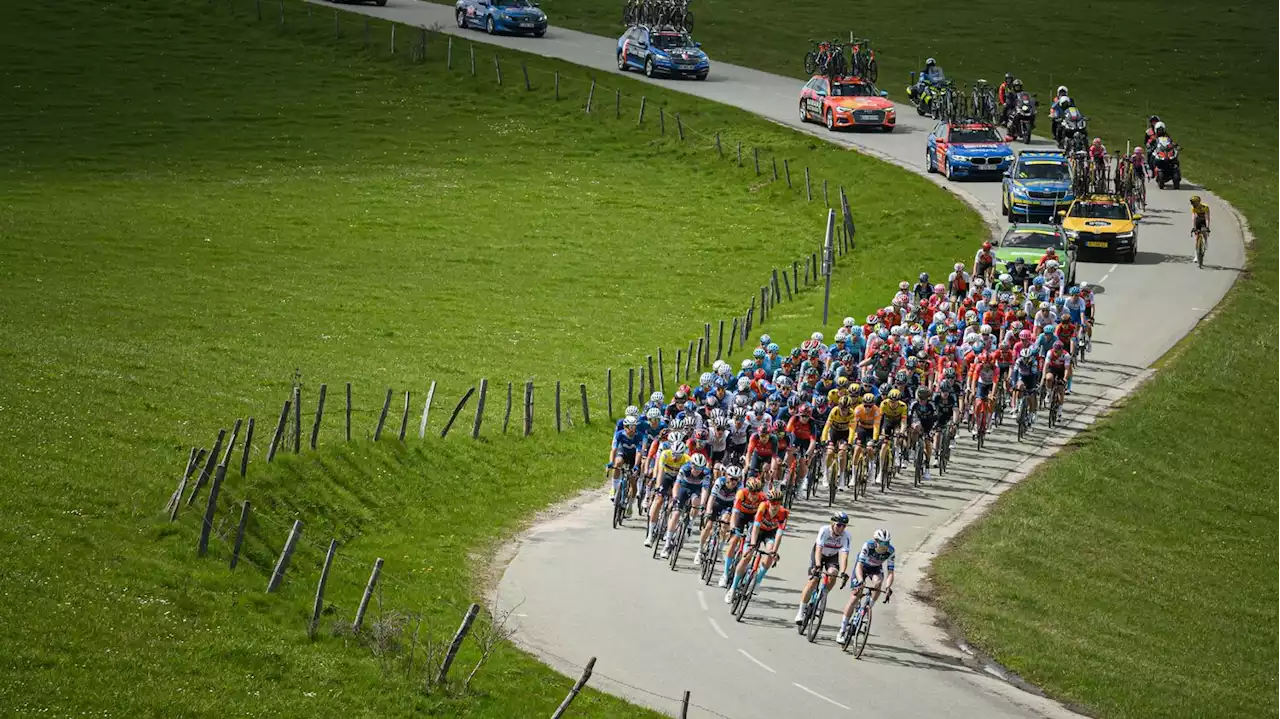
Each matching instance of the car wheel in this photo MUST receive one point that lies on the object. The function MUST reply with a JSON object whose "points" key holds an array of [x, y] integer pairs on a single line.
{"points": [[622, 62], [648, 67], [540, 33], [462, 19], [703, 76], [928, 160], [489, 25], [831, 120], [889, 128], [804, 116]]}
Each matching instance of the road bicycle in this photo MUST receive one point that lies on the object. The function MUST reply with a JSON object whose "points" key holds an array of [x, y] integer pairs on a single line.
{"points": [[980, 418], [1055, 402], [678, 536], [748, 583], [863, 469], [886, 462], [816, 608], [862, 60], [1202, 244], [711, 552], [621, 493], [1024, 414], [826, 58], [860, 623], [811, 477], [664, 516]]}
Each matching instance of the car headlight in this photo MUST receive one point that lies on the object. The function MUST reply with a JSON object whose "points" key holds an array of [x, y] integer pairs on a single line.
{"points": [[1124, 235], [959, 158], [1072, 234], [1008, 158], [1018, 191], [843, 110]]}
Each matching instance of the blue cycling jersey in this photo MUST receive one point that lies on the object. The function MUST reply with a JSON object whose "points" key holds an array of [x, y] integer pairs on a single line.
{"points": [[688, 479], [1075, 309], [623, 443], [873, 557], [722, 492]]}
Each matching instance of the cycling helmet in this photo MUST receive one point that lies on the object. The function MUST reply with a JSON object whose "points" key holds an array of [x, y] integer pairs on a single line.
{"points": [[839, 518], [1154, 118], [949, 373], [630, 422], [754, 484], [978, 282], [1038, 281], [654, 414], [985, 329], [1097, 142], [867, 398], [758, 407], [911, 363], [895, 395], [632, 411], [1159, 127], [747, 364], [804, 410], [1057, 344], [1048, 329], [816, 337], [698, 461], [924, 277], [734, 473], [959, 267], [1195, 199], [986, 245], [690, 407], [881, 536], [1062, 90], [1005, 278], [773, 347], [904, 285], [902, 375], [759, 374], [775, 495], [758, 353], [676, 437], [743, 384], [1027, 353], [679, 396], [1059, 301], [922, 393], [765, 339]]}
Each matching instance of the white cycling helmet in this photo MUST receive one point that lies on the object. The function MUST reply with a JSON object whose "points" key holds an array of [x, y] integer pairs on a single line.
{"points": [[747, 364], [630, 422], [816, 336], [698, 461], [632, 411], [849, 322], [657, 397], [881, 536], [654, 414]]}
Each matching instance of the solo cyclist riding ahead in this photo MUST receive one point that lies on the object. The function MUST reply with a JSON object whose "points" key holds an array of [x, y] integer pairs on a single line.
{"points": [[1199, 216]]}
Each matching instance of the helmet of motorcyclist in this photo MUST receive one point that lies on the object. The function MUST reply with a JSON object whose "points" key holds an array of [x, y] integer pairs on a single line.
{"points": [[1160, 128], [1153, 119], [930, 62], [1017, 85], [1062, 90], [1008, 77]]}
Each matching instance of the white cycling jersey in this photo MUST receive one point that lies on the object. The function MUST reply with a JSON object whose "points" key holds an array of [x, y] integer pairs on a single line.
{"points": [[740, 433], [719, 438], [833, 544]]}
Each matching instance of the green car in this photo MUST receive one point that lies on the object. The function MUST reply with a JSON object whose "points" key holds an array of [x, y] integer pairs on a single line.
{"points": [[1029, 240]]}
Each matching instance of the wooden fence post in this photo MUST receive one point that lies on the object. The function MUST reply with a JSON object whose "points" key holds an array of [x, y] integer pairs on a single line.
{"points": [[557, 406], [426, 410], [528, 408], [652, 381], [786, 166], [248, 441], [739, 154], [282, 564], [705, 359], [720, 341], [688, 361], [640, 121], [777, 291], [825, 197], [640, 387], [484, 392], [182, 481], [315, 426], [808, 190], [617, 104], [608, 390], [774, 161], [393, 38], [525, 69], [631, 386], [506, 416], [176, 501], [244, 520], [324, 579], [679, 363], [662, 120], [756, 152], [448, 61], [461, 634], [404, 418], [209, 464], [557, 86], [368, 593], [679, 126], [470, 391], [662, 373], [497, 67], [733, 333], [786, 280], [591, 95], [795, 275], [577, 687], [473, 58], [211, 507], [684, 705], [382, 417], [348, 423], [586, 411], [698, 364], [297, 419], [719, 149]]}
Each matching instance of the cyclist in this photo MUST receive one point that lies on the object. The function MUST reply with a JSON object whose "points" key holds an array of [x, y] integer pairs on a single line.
{"points": [[760, 451], [866, 426], [835, 432], [1027, 375], [1199, 216], [893, 411], [830, 551], [983, 377], [745, 503], [717, 503], [624, 452], [922, 418], [874, 566], [800, 428], [984, 261], [1057, 365], [766, 535], [670, 461], [692, 480]]}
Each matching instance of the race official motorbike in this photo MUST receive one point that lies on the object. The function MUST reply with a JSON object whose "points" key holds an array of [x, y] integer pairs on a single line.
{"points": [[926, 93], [1073, 132], [1168, 167], [1022, 119]]}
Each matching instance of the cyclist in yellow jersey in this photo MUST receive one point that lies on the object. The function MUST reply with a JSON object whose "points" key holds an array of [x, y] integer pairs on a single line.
{"points": [[836, 432], [841, 390], [1199, 217], [893, 414], [867, 417], [670, 460]]}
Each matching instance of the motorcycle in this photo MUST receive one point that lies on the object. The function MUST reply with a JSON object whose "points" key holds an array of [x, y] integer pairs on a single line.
{"points": [[1073, 132], [1168, 167], [1022, 120], [925, 94]]}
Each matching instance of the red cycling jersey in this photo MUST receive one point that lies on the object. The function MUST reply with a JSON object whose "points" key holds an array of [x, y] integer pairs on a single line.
{"points": [[802, 430]]}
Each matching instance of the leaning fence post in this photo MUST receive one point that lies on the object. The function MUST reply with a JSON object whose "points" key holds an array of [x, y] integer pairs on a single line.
{"points": [[786, 281], [368, 593], [577, 687], [733, 333], [525, 69], [705, 358], [652, 381], [662, 121], [426, 411], [461, 634], [617, 104], [608, 390], [808, 191], [786, 166], [497, 67], [393, 38], [175, 499], [282, 564], [212, 506], [557, 405], [528, 408], [557, 85], [207, 472], [795, 275], [825, 197], [324, 578], [348, 425], [297, 419], [244, 520], [684, 705], [404, 418], [719, 148], [382, 417], [591, 95], [640, 387], [461, 403], [701, 349], [777, 291], [756, 152], [640, 121], [484, 392], [679, 126], [688, 361], [448, 61], [774, 162], [679, 362], [662, 373], [506, 416], [315, 426], [586, 411], [248, 440], [739, 154]]}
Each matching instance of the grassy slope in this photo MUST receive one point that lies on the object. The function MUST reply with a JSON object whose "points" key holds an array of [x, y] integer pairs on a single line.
{"points": [[217, 204], [1083, 579]]}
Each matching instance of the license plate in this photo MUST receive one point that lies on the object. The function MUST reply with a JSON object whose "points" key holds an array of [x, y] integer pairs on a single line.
{"points": [[1095, 244], [526, 24]]}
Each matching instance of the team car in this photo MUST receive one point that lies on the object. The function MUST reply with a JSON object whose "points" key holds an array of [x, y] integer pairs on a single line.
{"points": [[967, 149], [1102, 224], [1030, 241], [662, 51], [518, 17], [1036, 186], [846, 102]]}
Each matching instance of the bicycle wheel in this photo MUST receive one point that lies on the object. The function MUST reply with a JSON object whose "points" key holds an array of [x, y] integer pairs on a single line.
{"points": [[688, 21], [833, 479], [619, 502], [864, 631], [944, 452], [664, 516], [677, 542], [885, 460], [740, 610], [919, 469], [873, 71], [857, 617], [1022, 419], [1200, 250], [815, 617]]}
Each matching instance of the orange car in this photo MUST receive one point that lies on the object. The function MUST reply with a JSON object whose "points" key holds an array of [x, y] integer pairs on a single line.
{"points": [[846, 102]]}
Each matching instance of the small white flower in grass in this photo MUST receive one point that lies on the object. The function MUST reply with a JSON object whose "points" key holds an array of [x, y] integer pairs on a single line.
{"points": [[308, 694]]}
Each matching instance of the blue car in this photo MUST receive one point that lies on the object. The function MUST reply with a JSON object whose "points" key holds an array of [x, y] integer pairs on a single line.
{"points": [[666, 52], [517, 17], [1036, 186], [967, 149]]}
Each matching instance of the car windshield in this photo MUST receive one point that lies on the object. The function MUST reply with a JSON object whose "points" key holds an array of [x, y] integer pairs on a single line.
{"points": [[1035, 240], [933, 74], [1043, 171], [513, 3], [671, 40], [853, 89], [1100, 210], [981, 134]]}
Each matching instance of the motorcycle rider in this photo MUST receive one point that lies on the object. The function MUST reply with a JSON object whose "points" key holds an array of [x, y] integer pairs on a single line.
{"points": [[1009, 99], [1061, 101], [931, 74], [1002, 93], [1156, 131], [1149, 138]]}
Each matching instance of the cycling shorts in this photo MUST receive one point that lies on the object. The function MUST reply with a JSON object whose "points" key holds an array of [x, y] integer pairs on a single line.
{"points": [[869, 571], [720, 507], [718, 457], [740, 522], [839, 435], [926, 424], [864, 435], [1059, 372], [1199, 221], [627, 456], [664, 487], [759, 462], [891, 427], [983, 389], [828, 562], [686, 493], [766, 536]]}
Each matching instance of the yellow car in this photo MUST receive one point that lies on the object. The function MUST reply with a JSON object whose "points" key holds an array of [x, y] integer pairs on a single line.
{"points": [[1102, 224]]}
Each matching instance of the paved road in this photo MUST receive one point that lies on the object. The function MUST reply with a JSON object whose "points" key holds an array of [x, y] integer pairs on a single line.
{"points": [[586, 590]]}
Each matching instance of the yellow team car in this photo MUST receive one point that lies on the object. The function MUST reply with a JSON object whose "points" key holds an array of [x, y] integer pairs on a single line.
{"points": [[1098, 224]]}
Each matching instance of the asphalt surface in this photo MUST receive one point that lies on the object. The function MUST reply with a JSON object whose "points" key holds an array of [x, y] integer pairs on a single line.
{"points": [[581, 589]]}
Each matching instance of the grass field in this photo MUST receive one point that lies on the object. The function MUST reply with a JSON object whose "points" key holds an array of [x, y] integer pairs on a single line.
{"points": [[1133, 575], [218, 203]]}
